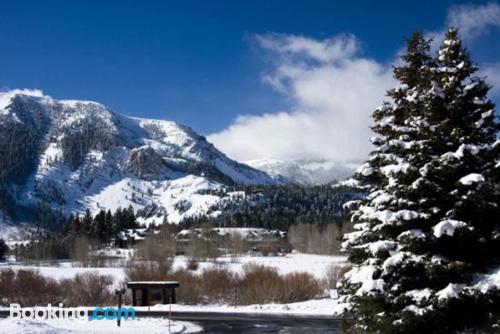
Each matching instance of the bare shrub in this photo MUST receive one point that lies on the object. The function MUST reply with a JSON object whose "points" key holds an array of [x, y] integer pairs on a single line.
{"points": [[316, 238], [7, 285], [30, 288], [217, 284], [88, 289], [193, 264], [190, 290], [300, 286], [80, 251], [236, 245], [257, 285], [260, 284], [146, 271], [203, 248], [158, 247]]}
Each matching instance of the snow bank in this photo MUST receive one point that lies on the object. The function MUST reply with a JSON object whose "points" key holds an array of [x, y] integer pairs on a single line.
{"points": [[142, 325], [318, 307]]}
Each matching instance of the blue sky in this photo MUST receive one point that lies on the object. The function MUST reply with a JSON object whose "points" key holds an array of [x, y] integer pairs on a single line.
{"points": [[202, 63]]}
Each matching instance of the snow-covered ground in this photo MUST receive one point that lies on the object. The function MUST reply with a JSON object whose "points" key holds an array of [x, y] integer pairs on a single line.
{"points": [[316, 307], [316, 265], [64, 270], [142, 325]]}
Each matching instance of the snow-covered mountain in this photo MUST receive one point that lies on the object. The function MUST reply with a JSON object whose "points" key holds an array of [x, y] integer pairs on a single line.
{"points": [[306, 172], [72, 155]]}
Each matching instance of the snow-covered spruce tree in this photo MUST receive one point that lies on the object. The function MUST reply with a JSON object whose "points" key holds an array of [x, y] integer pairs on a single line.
{"points": [[428, 234]]}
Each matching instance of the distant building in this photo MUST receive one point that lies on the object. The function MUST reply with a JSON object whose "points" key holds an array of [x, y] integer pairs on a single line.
{"points": [[255, 238], [130, 237]]}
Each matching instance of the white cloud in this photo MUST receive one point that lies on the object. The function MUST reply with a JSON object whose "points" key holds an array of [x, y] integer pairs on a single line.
{"points": [[492, 73], [474, 20], [328, 50], [334, 91]]}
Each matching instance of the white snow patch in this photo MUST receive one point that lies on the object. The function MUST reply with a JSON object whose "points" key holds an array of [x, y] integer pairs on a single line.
{"points": [[139, 325], [419, 295], [488, 282], [6, 97], [365, 170], [414, 233], [364, 275], [381, 246], [447, 227], [320, 307], [471, 178], [451, 291], [396, 168]]}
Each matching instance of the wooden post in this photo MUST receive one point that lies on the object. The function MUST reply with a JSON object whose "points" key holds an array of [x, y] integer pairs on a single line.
{"points": [[173, 296], [164, 295], [119, 293], [119, 307], [134, 297], [145, 297], [169, 316]]}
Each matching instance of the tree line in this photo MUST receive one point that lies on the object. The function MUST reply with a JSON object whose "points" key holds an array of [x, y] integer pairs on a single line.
{"points": [[277, 207], [80, 234]]}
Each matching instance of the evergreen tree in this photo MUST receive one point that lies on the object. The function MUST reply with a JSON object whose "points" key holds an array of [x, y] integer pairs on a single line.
{"points": [[109, 224], [428, 233], [3, 249], [101, 229], [87, 223], [73, 226], [129, 218]]}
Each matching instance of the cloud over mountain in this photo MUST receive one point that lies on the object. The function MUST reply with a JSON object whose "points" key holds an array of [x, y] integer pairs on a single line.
{"points": [[333, 90]]}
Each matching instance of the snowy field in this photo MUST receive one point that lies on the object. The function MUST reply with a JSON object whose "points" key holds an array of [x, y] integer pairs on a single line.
{"points": [[316, 265], [143, 325]]}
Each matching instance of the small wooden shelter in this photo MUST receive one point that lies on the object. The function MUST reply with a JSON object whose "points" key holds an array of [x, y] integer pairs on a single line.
{"points": [[145, 293]]}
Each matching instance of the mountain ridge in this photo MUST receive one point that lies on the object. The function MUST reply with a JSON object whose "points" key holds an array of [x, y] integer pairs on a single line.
{"points": [[72, 155], [304, 171]]}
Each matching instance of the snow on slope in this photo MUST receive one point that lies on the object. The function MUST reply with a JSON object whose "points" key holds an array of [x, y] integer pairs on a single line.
{"points": [[86, 156], [306, 172]]}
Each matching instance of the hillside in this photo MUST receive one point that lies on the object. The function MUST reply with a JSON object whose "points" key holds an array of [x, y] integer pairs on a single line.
{"points": [[63, 156]]}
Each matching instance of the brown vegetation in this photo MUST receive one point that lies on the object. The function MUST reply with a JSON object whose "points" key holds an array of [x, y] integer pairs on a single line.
{"points": [[30, 288], [256, 285], [316, 238]]}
